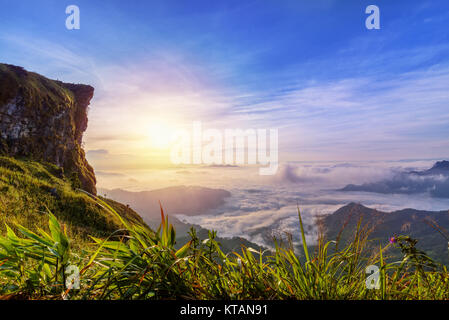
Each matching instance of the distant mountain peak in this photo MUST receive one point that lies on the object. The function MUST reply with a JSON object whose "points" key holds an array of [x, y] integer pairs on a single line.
{"points": [[352, 205], [433, 181], [441, 165], [354, 208]]}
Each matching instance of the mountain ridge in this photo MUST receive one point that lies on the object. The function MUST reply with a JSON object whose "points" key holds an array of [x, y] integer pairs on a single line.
{"points": [[187, 200], [434, 181], [418, 224]]}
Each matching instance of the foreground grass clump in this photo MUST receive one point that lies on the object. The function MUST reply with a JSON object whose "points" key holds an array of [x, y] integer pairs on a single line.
{"points": [[138, 263]]}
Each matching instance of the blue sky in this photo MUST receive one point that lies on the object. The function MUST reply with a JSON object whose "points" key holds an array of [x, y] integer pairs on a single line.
{"points": [[335, 90]]}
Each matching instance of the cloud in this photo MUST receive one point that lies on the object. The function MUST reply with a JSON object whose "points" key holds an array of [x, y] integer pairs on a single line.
{"points": [[330, 174], [292, 174], [184, 172], [109, 174], [360, 117], [260, 225], [406, 183], [222, 166], [97, 152], [53, 60], [258, 209], [363, 115]]}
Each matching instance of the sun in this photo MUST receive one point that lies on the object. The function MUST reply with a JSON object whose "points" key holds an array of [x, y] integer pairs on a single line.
{"points": [[160, 134]]}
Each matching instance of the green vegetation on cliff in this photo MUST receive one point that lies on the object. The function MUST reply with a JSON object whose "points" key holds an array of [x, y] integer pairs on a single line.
{"points": [[28, 189]]}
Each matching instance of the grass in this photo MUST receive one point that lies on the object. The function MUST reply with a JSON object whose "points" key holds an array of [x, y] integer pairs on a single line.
{"points": [[29, 188], [49, 229], [139, 263]]}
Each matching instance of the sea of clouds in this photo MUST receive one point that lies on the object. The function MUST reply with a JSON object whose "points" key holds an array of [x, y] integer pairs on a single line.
{"points": [[261, 207]]}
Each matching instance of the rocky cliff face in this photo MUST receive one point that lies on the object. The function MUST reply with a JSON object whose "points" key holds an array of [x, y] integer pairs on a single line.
{"points": [[44, 120]]}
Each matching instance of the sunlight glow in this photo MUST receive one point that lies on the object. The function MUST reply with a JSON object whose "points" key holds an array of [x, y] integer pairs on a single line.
{"points": [[159, 134]]}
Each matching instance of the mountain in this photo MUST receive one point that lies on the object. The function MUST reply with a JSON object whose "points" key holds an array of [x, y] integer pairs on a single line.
{"points": [[434, 181], [187, 200], [417, 224], [440, 167], [44, 120]]}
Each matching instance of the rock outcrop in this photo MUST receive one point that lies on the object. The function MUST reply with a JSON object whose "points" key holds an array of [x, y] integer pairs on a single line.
{"points": [[44, 120]]}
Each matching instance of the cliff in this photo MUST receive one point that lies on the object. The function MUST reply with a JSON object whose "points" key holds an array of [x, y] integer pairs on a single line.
{"points": [[44, 120]]}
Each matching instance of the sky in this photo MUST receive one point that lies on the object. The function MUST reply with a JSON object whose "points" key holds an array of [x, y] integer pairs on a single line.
{"points": [[334, 89]]}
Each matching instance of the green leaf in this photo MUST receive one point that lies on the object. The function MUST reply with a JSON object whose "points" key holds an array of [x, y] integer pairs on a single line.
{"points": [[181, 253], [303, 236]]}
